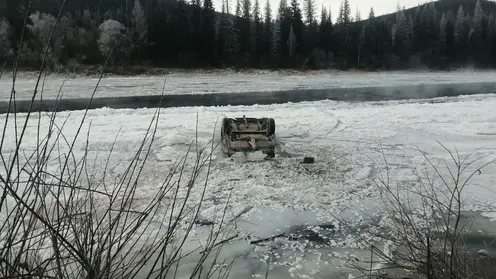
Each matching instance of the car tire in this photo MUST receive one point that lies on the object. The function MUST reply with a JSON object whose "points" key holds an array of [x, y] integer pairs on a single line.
{"points": [[271, 127]]}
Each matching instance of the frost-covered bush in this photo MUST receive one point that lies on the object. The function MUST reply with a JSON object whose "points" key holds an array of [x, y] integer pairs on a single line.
{"points": [[42, 27], [114, 40], [27, 54], [82, 37], [5, 45]]}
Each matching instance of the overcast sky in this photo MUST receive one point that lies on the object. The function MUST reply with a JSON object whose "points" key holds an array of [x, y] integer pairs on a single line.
{"points": [[380, 6]]}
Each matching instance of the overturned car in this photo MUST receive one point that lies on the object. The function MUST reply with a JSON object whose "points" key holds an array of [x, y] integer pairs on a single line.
{"points": [[248, 135]]}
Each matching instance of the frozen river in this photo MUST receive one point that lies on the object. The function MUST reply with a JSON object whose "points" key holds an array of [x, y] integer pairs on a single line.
{"points": [[229, 82], [349, 141], [220, 89]]}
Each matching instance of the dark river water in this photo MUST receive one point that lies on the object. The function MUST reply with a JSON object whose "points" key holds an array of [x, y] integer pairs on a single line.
{"points": [[347, 94]]}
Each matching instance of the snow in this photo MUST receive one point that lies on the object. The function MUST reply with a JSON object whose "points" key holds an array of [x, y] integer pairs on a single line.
{"points": [[226, 82], [349, 142]]}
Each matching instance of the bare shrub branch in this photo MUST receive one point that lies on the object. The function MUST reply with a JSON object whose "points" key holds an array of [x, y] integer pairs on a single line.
{"points": [[64, 216]]}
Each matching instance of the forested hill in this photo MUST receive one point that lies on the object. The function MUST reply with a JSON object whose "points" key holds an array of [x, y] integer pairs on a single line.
{"points": [[445, 6], [175, 33]]}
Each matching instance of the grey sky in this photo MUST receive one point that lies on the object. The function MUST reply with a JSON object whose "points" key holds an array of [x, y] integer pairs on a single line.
{"points": [[380, 6]]}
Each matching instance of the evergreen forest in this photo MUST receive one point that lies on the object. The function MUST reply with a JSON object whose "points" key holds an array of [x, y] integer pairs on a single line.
{"points": [[298, 34]]}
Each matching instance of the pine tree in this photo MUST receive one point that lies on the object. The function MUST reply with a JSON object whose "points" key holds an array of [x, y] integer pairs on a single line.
{"points": [[450, 42], [340, 19], [460, 34], [196, 24], [283, 4], [360, 29], [267, 14], [311, 35], [443, 36], [238, 9], [256, 13], [418, 31], [227, 7], [330, 32], [346, 12], [291, 43], [275, 44], [370, 38], [478, 13], [283, 26], [224, 29], [297, 26], [242, 23], [431, 21], [208, 31], [309, 9], [358, 16], [323, 30], [183, 31], [231, 46], [247, 9], [459, 24], [326, 31], [257, 30], [267, 37], [329, 16], [402, 35], [477, 44], [371, 13], [344, 32]]}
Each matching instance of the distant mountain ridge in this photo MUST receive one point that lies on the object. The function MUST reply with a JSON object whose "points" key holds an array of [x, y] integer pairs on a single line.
{"points": [[445, 6]]}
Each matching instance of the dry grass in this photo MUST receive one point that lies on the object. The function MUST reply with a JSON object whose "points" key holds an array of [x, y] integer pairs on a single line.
{"points": [[422, 232], [63, 222]]}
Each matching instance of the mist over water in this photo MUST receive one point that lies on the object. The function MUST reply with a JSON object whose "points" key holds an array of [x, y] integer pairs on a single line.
{"points": [[220, 88], [346, 94]]}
